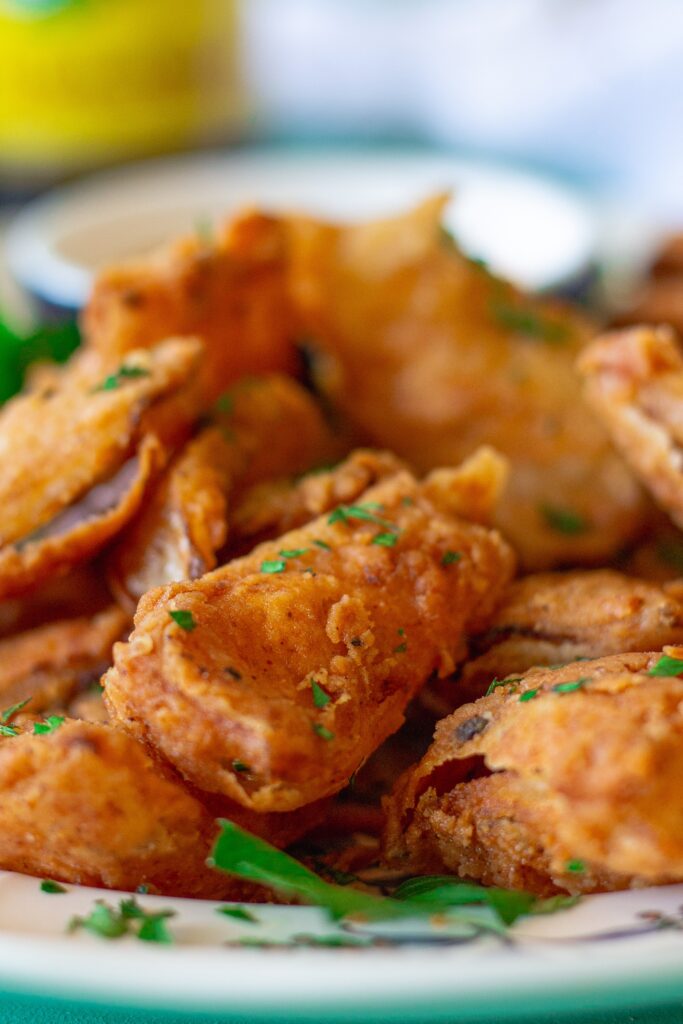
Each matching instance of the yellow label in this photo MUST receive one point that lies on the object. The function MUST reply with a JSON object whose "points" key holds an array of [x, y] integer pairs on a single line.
{"points": [[83, 81]]}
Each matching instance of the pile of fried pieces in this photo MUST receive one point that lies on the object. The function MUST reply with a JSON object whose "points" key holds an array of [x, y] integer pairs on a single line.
{"points": [[306, 493]]}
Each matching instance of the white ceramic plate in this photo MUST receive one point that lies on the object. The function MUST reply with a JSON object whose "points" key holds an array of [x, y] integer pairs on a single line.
{"points": [[528, 228], [599, 953]]}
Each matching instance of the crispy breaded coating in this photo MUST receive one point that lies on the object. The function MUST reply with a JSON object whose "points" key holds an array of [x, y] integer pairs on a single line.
{"points": [[230, 291], [291, 665], [82, 591], [430, 356], [564, 779], [634, 382], [267, 424], [552, 618], [473, 490], [77, 459], [53, 662], [86, 804]]}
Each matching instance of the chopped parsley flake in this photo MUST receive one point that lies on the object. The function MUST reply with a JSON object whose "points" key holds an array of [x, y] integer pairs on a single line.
{"points": [[112, 382], [7, 714], [294, 553], [103, 920], [401, 649], [564, 520], [527, 695], [273, 565], [184, 619], [322, 731], [529, 323], [450, 557], [401, 631], [385, 540], [111, 923], [47, 885], [571, 686], [322, 544], [366, 512], [667, 666], [50, 724], [320, 698], [240, 766], [239, 913], [512, 681], [577, 867]]}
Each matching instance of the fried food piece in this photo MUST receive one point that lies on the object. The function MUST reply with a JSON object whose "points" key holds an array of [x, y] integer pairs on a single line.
{"points": [[659, 299], [267, 425], [289, 666], [553, 618], [82, 591], [86, 804], [276, 506], [51, 663], [76, 460], [634, 382], [431, 356], [230, 291], [565, 779]]}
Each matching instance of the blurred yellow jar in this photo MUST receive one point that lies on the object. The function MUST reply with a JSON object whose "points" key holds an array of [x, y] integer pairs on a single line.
{"points": [[87, 82]]}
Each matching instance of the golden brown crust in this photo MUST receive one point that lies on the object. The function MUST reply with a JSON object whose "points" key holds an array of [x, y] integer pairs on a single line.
{"points": [[51, 663], [230, 292], [589, 774], [634, 381], [430, 357], [368, 622], [79, 457], [270, 423], [553, 618]]}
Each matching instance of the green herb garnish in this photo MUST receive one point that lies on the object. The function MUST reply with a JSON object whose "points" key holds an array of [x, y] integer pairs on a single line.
{"points": [[385, 540], [48, 885], [240, 766], [529, 323], [184, 619], [564, 520], [322, 731], [103, 920], [152, 927], [365, 511], [293, 553], [273, 565], [320, 698], [527, 695], [50, 724], [571, 686], [322, 544], [576, 867], [450, 557], [7, 714], [440, 891], [512, 681], [239, 913], [401, 649], [667, 666], [112, 382]]}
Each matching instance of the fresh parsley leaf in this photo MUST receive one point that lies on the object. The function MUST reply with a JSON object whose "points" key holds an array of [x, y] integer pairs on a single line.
{"points": [[8, 730], [510, 681], [529, 323], [442, 891], [322, 731], [273, 565], [571, 686], [320, 698], [47, 885], [365, 512], [576, 867], [240, 766], [184, 619], [103, 920], [239, 913], [293, 553], [385, 540], [564, 520], [114, 380], [322, 544], [401, 649], [13, 710], [667, 666], [153, 926], [50, 724], [527, 695], [450, 557]]}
